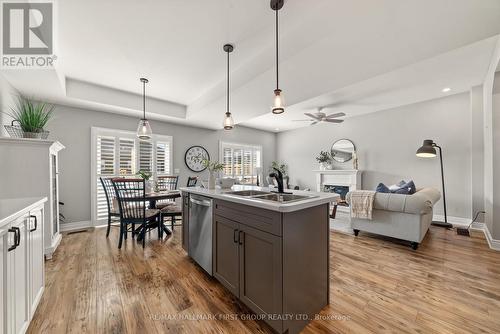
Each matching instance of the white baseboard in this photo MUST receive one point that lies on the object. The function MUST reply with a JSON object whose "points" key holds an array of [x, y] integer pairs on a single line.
{"points": [[455, 221], [75, 226], [493, 243]]}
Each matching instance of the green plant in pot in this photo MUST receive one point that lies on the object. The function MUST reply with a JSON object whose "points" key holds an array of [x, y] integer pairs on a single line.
{"points": [[31, 117], [325, 160], [213, 167]]}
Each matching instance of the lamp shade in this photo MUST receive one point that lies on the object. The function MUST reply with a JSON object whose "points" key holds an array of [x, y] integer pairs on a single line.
{"points": [[427, 150], [279, 102], [144, 131], [228, 121]]}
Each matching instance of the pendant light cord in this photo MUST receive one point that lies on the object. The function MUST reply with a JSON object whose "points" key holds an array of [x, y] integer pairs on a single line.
{"points": [[144, 98], [277, 41], [227, 102]]}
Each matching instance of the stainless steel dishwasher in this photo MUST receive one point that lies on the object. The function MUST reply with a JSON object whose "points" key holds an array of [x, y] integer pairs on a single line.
{"points": [[200, 231]]}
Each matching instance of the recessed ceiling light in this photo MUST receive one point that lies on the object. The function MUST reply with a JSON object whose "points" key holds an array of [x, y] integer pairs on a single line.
{"points": [[276, 129], [446, 90]]}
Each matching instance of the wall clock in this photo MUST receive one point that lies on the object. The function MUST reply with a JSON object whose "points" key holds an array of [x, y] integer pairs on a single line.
{"points": [[194, 156]]}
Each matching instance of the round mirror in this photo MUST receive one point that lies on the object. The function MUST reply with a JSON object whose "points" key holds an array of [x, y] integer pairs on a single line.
{"points": [[343, 150]]}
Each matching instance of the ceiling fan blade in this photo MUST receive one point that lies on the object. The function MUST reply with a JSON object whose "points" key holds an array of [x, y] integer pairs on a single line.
{"points": [[302, 120], [339, 114], [316, 117], [315, 122], [334, 120]]}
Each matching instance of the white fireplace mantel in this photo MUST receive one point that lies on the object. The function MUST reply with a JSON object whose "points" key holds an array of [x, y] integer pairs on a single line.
{"points": [[338, 177]]}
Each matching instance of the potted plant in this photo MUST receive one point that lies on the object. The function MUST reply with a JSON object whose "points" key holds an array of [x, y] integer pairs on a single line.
{"points": [[325, 160], [213, 167], [148, 184], [31, 118]]}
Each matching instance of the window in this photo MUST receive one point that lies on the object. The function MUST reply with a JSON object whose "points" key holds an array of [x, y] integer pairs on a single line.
{"points": [[121, 153], [241, 161]]}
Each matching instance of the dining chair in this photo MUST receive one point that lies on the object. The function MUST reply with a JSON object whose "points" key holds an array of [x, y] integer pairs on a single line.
{"points": [[166, 183], [192, 180], [109, 191], [133, 207]]}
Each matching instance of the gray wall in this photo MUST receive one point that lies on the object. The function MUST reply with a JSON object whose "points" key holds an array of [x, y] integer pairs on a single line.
{"points": [[7, 100], [71, 126], [386, 142]]}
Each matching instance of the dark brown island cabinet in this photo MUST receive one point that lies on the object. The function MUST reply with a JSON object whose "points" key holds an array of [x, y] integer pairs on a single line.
{"points": [[276, 263]]}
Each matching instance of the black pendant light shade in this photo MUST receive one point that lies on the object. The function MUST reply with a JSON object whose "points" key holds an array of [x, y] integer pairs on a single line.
{"points": [[144, 131], [228, 118], [279, 100]]}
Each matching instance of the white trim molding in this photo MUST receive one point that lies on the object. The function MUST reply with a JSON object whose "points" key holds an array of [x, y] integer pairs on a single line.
{"points": [[76, 226]]}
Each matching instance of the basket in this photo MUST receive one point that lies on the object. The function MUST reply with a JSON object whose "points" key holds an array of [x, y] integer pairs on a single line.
{"points": [[15, 131]]}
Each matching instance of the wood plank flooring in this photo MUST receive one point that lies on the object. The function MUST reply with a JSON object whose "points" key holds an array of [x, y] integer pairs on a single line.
{"points": [[451, 284]]}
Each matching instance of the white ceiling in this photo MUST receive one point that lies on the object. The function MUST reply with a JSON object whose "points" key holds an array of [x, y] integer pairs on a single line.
{"points": [[368, 55]]}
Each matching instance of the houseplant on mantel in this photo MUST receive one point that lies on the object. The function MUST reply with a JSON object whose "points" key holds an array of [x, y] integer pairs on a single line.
{"points": [[31, 117], [325, 160], [213, 167]]}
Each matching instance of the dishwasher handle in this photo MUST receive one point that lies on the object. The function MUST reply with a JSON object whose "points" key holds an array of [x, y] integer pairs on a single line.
{"points": [[202, 203]]}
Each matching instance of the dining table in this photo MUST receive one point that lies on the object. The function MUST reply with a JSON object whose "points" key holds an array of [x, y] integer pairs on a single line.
{"points": [[154, 197]]}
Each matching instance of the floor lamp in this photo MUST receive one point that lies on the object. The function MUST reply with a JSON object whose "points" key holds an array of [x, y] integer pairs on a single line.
{"points": [[428, 150]]}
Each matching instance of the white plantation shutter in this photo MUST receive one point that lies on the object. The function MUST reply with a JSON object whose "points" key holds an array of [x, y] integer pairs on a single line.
{"points": [[240, 161], [145, 156], [106, 168], [127, 156], [117, 153], [163, 158]]}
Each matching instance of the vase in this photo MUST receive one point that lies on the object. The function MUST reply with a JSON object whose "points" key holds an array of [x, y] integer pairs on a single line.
{"points": [[211, 181], [148, 186]]}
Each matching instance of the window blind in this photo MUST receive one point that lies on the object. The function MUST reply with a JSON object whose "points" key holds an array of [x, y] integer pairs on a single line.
{"points": [[241, 161]]}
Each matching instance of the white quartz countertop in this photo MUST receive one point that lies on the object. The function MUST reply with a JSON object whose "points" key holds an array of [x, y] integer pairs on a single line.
{"points": [[223, 194], [12, 208]]}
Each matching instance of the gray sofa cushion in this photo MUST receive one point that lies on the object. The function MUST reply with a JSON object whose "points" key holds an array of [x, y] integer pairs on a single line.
{"points": [[420, 202]]}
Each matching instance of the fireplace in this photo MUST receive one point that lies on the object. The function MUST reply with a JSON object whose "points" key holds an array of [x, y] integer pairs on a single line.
{"points": [[338, 181], [341, 190]]}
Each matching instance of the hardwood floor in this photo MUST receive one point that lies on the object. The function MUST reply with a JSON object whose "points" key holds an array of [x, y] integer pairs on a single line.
{"points": [[451, 284]]}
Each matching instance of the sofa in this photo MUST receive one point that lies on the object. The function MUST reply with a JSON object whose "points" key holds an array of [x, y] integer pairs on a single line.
{"points": [[406, 217]]}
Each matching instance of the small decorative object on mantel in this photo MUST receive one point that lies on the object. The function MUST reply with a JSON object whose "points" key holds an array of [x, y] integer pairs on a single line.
{"points": [[355, 160], [325, 160], [194, 158], [148, 184], [213, 167], [31, 119]]}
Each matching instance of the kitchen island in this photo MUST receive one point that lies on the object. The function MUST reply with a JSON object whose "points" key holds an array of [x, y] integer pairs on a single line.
{"points": [[269, 250]]}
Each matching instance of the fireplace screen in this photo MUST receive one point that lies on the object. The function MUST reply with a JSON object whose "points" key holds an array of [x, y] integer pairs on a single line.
{"points": [[341, 190]]}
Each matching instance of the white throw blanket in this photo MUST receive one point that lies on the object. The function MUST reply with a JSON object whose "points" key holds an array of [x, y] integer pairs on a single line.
{"points": [[361, 203]]}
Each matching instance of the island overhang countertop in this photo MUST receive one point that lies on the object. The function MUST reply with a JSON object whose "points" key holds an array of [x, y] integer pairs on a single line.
{"points": [[312, 198]]}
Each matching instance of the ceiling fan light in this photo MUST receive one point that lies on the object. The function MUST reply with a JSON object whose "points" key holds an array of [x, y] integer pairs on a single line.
{"points": [[279, 102], [144, 131], [228, 121]]}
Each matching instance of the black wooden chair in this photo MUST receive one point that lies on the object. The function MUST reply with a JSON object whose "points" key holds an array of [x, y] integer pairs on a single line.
{"points": [[166, 183], [134, 209], [192, 180], [109, 191]]}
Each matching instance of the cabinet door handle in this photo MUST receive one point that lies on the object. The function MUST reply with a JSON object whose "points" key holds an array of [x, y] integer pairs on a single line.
{"points": [[36, 223], [18, 232], [14, 246], [234, 236], [240, 238]]}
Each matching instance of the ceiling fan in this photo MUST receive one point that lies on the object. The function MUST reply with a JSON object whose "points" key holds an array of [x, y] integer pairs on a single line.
{"points": [[320, 116]]}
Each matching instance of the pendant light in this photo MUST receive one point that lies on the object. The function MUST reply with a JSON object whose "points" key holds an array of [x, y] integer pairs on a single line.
{"points": [[144, 131], [279, 100], [228, 119]]}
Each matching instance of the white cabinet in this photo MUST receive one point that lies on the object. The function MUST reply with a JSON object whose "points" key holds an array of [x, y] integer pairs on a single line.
{"points": [[18, 278], [36, 261], [31, 168], [21, 264]]}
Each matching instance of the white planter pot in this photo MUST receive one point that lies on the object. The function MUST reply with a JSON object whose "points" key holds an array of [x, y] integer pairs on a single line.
{"points": [[149, 186]]}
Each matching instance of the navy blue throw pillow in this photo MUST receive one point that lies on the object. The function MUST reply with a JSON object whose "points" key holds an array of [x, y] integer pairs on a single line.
{"points": [[382, 188], [407, 189]]}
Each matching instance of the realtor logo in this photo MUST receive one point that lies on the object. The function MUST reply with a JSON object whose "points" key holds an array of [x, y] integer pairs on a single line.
{"points": [[27, 34]]}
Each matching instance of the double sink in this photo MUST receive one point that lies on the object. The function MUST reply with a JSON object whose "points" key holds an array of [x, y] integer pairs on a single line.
{"points": [[269, 196]]}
